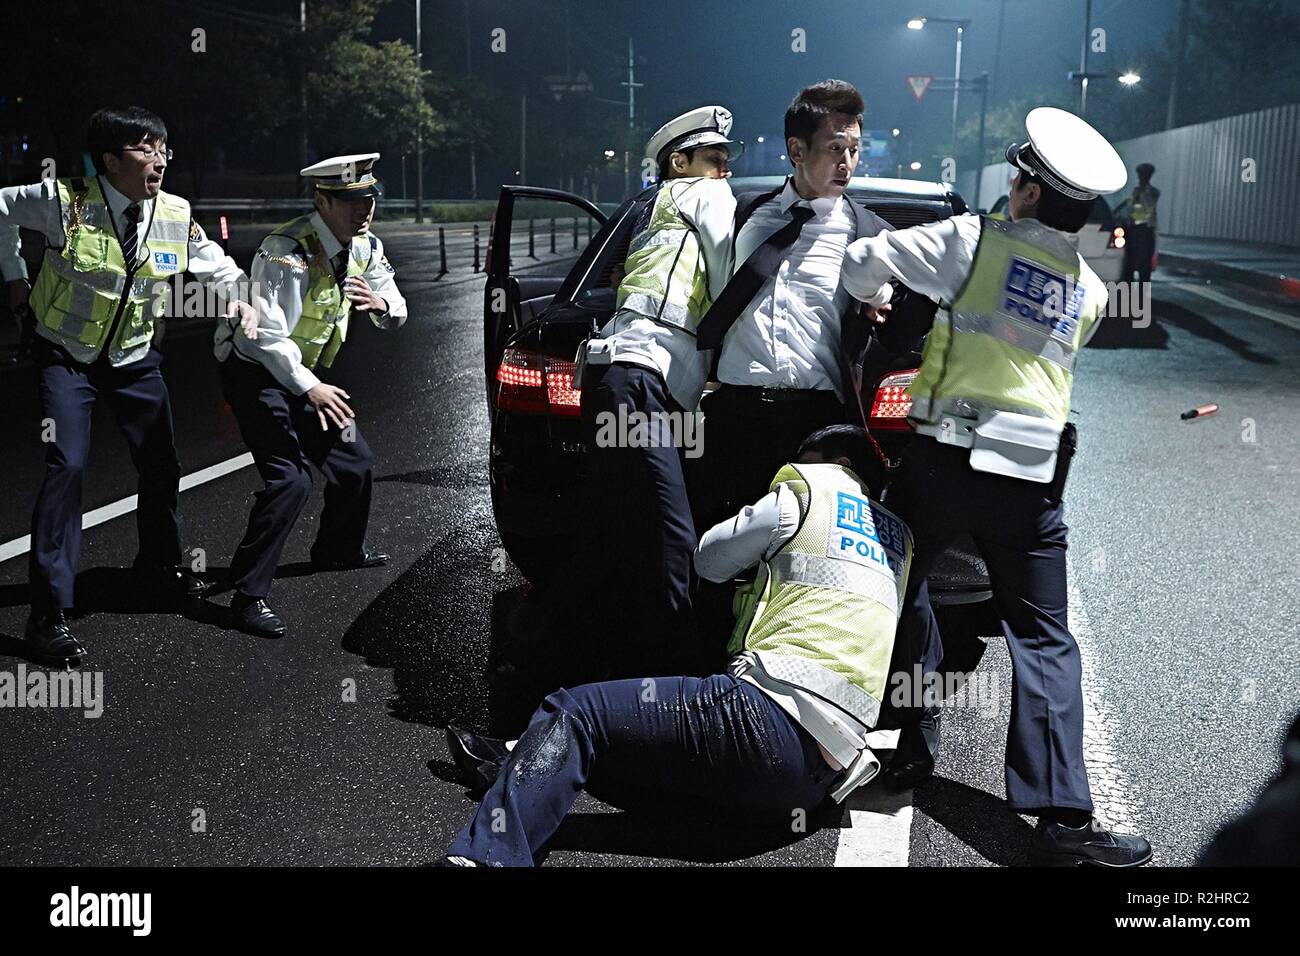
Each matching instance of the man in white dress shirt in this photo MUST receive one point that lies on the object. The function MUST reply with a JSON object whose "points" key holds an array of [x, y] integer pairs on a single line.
{"points": [[308, 277], [112, 240], [788, 331]]}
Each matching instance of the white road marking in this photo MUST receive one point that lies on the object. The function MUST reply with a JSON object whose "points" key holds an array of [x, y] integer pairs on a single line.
{"points": [[1112, 793], [1259, 311], [876, 829], [19, 546]]}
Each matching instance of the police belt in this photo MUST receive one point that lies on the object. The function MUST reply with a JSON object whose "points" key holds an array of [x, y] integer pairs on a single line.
{"points": [[756, 394]]}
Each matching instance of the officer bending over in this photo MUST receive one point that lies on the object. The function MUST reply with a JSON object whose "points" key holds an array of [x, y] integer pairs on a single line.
{"points": [[783, 729]]}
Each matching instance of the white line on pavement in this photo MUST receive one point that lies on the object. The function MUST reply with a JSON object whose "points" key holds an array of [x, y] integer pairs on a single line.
{"points": [[1214, 295], [876, 829], [12, 549], [1111, 790]]}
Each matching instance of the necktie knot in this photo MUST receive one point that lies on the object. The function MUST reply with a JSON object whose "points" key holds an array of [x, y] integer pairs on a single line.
{"points": [[132, 213], [801, 214]]}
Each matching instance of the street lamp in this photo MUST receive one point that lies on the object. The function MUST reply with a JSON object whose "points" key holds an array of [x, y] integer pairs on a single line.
{"points": [[895, 131], [1130, 78], [760, 139], [609, 154], [918, 23], [914, 165]]}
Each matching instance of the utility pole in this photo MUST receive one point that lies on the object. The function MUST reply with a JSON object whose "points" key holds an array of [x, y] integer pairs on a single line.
{"points": [[523, 139], [956, 85], [631, 85], [1171, 113], [473, 146], [1083, 59], [419, 134], [302, 80]]}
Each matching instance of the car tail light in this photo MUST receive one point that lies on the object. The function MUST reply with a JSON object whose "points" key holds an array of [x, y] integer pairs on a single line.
{"points": [[536, 384], [892, 403], [1117, 239]]}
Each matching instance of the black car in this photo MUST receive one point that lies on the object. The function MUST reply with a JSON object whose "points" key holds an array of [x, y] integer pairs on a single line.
{"points": [[535, 317]]}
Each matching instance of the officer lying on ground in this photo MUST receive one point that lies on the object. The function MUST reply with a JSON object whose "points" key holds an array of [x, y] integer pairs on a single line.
{"points": [[783, 729]]}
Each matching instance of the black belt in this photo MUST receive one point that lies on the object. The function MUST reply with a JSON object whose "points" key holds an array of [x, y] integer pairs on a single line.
{"points": [[756, 394]]}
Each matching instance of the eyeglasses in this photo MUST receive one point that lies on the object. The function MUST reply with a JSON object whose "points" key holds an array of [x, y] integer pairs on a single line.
{"points": [[150, 153]]}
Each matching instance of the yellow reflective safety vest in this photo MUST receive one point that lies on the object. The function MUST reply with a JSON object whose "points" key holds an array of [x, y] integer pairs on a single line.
{"points": [[322, 327], [665, 277], [998, 364], [82, 284], [824, 608], [1142, 206]]}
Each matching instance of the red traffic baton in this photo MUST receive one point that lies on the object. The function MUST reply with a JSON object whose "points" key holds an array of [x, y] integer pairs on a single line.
{"points": [[1200, 411]]}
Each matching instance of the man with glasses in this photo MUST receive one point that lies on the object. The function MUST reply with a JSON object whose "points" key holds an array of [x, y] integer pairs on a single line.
{"points": [[112, 240], [308, 277]]}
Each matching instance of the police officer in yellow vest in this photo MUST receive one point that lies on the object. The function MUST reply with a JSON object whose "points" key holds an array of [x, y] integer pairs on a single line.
{"points": [[989, 407], [641, 384], [112, 240], [784, 728], [309, 277], [1139, 212]]}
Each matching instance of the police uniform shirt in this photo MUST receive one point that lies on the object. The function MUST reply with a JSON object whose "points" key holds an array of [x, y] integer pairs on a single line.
{"points": [[789, 334], [710, 207], [37, 207], [933, 259], [279, 283]]}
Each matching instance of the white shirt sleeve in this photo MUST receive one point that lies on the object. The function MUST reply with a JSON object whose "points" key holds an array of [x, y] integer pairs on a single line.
{"points": [[933, 259], [710, 206], [32, 207], [210, 264], [279, 281], [383, 280], [739, 543]]}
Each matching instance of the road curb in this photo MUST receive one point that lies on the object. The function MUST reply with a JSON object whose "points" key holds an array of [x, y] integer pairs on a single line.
{"points": [[1278, 284]]}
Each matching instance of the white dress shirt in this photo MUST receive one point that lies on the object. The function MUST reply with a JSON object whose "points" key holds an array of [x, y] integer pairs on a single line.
{"points": [[279, 282], [789, 335], [710, 206], [934, 259], [37, 207], [735, 545]]}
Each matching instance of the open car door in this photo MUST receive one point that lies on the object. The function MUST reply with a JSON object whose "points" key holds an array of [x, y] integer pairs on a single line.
{"points": [[536, 235]]}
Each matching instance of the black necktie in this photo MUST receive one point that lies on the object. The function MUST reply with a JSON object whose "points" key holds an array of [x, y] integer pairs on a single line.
{"points": [[340, 264], [130, 236], [744, 285]]}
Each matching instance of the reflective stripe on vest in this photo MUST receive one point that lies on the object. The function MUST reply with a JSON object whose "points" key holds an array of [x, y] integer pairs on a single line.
{"points": [[76, 296], [665, 278], [1001, 359], [322, 327], [831, 595]]}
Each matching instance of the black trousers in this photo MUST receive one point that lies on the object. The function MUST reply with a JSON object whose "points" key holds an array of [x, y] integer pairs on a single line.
{"points": [[283, 432], [1022, 537], [749, 433], [1138, 251], [138, 397], [641, 536]]}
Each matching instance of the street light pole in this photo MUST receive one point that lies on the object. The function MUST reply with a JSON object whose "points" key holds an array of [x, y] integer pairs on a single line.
{"points": [[1083, 59], [956, 86], [419, 134]]}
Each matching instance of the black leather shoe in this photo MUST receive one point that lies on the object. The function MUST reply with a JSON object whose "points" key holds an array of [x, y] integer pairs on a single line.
{"points": [[50, 640], [174, 582], [254, 616], [478, 758], [913, 761], [368, 559], [1091, 845]]}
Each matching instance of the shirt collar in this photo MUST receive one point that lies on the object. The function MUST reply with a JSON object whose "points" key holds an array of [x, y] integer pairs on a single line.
{"points": [[117, 203], [331, 245], [822, 206]]}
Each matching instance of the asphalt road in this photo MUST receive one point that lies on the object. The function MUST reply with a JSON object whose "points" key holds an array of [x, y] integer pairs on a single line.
{"points": [[326, 747]]}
